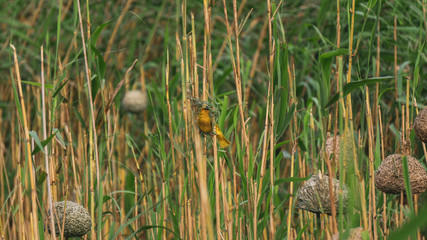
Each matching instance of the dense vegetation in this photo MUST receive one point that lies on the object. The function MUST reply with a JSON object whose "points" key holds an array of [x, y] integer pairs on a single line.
{"points": [[279, 77]]}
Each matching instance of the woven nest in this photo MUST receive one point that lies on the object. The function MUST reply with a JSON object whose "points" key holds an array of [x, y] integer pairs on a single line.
{"points": [[314, 195], [355, 234], [420, 125], [330, 145], [77, 219], [389, 175], [335, 150], [134, 101]]}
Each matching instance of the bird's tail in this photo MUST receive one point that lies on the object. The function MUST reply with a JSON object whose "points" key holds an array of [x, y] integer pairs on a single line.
{"points": [[223, 142]]}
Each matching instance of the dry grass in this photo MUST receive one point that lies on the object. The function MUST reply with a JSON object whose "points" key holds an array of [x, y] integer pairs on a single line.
{"points": [[280, 78]]}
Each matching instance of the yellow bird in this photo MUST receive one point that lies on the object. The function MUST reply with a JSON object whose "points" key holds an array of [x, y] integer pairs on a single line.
{"points": [[204, 122]]}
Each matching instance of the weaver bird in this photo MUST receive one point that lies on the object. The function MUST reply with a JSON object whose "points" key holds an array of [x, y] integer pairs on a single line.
{"points": [[204, 122]]}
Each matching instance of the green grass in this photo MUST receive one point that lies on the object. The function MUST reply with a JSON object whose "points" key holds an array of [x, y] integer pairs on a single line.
{"points": [[154, 175]]}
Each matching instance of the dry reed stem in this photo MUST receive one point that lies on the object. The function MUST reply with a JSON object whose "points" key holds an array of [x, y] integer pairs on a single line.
{"points": [[34, 213], [363, 204], [91, 178], [115, 30], [217, 194], [384, 215], [186, 203], [190, 222], [272, 155], [371, 143], [377, 73], [294, 141], [350, 61], [46, 153], [380, 122], [255, 204], [165, 205], [206, 48], [237, 78], [397, 122], [207, 55], [35, 16], [334, 225], [255, 58], [402, 139], [264, 153], [73, 162], [416, 213], [171, 135], [196, 193], [337, 78], [93, 141], [224, 43], [226, 202], [406, 127], [208, 78], [291, 188], [135, 182], [401, 209], [236, 199], [271, 45], [206, 214]]}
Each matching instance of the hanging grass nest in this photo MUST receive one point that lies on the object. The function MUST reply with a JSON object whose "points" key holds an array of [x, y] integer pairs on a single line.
{"points": [[420, 125], [314, 195], [77, 219], [355, 234], [330, 148], [389, 175], [134, 101], [333, 150]]}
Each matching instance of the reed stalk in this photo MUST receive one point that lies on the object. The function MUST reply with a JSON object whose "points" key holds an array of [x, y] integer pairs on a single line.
{"points": [[34, 209]]}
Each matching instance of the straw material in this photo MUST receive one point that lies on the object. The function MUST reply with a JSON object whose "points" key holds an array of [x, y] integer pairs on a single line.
{"points": [[314, 195], [338, 141], [134, 101], [330, 145], [420, 125], [389, 175], [77, 219]]}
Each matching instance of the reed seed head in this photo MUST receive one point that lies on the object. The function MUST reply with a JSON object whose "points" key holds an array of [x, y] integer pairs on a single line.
{"points": [[389, 175], [134, 101], [314, 195], [77, 219]]}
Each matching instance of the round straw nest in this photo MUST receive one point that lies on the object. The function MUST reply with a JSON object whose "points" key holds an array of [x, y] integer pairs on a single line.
{"points": [[420, 125], [389, 175], [355, 234], [314, 195], [77, 219], [134, 101]]}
